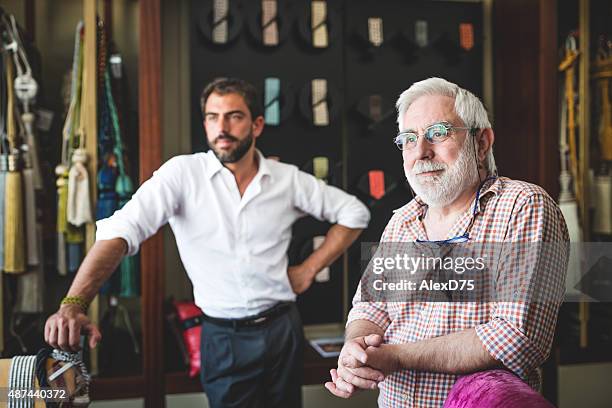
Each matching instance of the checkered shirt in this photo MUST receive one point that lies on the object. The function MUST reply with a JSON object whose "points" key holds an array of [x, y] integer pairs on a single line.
{"points": [[519, 334]]}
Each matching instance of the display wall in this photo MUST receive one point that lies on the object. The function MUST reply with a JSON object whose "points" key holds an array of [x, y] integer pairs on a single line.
{"points": [[366, 67]]}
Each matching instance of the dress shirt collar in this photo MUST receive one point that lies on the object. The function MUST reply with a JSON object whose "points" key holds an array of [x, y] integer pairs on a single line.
{"points": [[214, 165]]}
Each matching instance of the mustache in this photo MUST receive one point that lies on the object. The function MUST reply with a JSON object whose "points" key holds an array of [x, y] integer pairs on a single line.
{"points": [[427, 166], [226, 136]]}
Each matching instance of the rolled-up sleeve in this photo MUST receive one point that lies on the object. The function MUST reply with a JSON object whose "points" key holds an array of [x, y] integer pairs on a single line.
{"points": [[375, 312], [519, 333], [325, 202], [151, 206]]}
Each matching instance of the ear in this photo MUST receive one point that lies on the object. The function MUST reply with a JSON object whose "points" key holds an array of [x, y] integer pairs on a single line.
{"points": [[258, 126], [484, 142]]}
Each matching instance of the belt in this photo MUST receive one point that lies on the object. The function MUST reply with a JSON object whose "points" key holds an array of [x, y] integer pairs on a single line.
{"points": [[253, 321]]}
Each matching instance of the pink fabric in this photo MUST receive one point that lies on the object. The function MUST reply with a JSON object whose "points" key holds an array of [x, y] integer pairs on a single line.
{"points": [[493, 389]]}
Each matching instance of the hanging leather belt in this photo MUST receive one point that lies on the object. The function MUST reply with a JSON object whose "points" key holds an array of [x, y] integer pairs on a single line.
{"points": [[253, 321]]}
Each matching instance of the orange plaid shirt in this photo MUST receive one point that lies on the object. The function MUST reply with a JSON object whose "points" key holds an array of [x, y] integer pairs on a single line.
{"points": [[517, 334]]}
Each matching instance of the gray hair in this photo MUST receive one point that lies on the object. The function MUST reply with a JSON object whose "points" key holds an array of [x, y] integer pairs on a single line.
{"points": [[467, 106]]}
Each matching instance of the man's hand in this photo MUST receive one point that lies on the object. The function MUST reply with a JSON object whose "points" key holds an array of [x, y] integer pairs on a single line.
{"points": [[384, 358], [300, 277], [353, 372], [63, 329]]}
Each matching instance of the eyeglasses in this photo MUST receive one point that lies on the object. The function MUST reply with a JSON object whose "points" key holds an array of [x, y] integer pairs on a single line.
{"points": [[436, 133]]}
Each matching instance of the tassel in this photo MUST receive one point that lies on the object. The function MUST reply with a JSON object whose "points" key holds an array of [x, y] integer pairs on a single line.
{"points": [[62, 223], [78, 205], [75, 256], [14, 231], [28, 121], [127, 273], [127, 268], [107, 204], [30, 285], [124, 188], [61, 171], [3, 168], [62, 268], [30, 212], [107, 198]]}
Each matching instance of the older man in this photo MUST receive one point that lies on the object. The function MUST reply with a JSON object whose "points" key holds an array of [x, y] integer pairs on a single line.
{"points": [[414, 351]]}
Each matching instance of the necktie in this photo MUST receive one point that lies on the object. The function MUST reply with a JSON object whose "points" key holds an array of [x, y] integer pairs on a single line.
{"points": [[375, 31], [420, 33], [318, 25], [466, 36], [319, 102], [272, 102], [220, 14], [268, 22]]}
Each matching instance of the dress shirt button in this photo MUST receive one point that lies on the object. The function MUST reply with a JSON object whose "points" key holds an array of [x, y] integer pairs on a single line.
{"points": [[408, 398]]}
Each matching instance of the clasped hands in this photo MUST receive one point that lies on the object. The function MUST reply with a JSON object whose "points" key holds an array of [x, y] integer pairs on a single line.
{"points": [[363, 363]]}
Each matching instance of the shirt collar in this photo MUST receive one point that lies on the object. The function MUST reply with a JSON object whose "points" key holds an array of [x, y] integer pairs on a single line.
{"points": [[416, 207], [214, 165]]}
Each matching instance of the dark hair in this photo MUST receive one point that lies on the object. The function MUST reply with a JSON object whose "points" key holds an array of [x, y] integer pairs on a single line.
{"points": [[224, 86]]}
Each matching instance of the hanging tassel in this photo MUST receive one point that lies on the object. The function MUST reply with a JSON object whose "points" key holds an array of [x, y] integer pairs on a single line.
{"points": [[78, 205], [107, 198], [3, 168], [75, 236], [30, 285], [28, 122], [61, 171], [127, 269], [14, 228], [62, 268], [124, 188], [128, 273], [75, 256], [30, 212]]}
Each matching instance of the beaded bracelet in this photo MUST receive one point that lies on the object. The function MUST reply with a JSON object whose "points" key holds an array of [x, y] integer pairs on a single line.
{"points": [[75, 300]]}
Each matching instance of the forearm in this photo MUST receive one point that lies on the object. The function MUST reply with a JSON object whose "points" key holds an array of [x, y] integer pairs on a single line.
{"points": [[99, 264], [360, 328], [337, 240], [457, 353]]}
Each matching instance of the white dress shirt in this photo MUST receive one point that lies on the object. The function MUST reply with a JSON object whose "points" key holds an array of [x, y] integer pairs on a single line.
{"points": [[234, 248]]}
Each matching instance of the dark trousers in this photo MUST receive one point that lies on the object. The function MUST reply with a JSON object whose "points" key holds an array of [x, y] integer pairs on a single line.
{"points": [[254, 367]]}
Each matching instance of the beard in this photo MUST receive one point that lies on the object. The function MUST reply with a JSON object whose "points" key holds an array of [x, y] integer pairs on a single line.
{"points": [[442, 189], [231, 155]]}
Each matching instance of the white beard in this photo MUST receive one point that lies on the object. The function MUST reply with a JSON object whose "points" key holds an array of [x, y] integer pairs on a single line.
{"points": [[442, 189]]}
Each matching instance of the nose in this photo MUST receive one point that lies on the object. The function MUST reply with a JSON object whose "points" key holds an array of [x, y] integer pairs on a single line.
{"points": [[423, 149], [224, 123]]}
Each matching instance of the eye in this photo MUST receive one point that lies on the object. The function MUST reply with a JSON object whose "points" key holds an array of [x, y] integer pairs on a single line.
{"points": [[410, 138], [437, 132], [236, 116], [210, 117]]}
